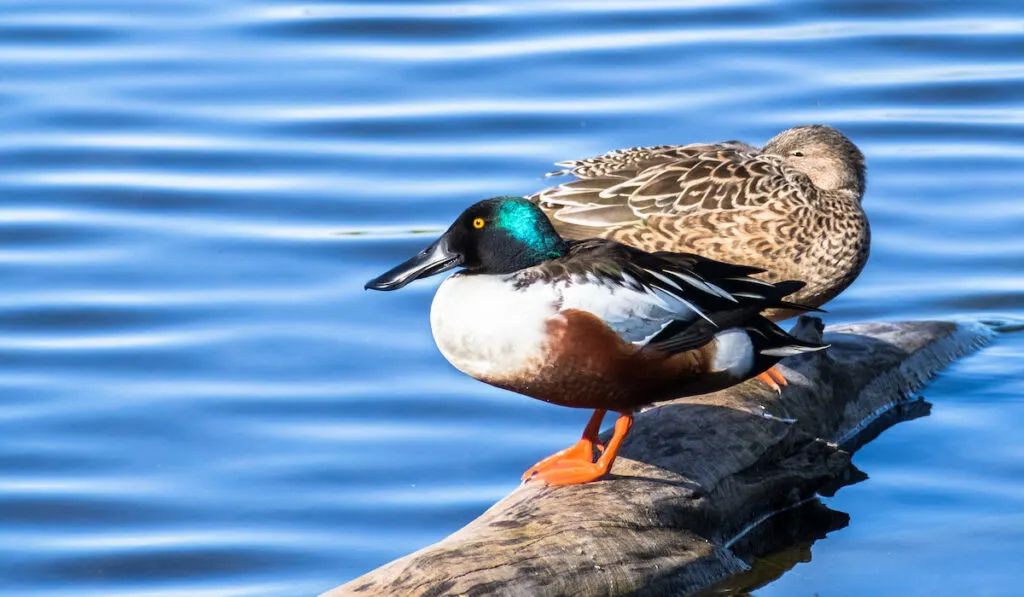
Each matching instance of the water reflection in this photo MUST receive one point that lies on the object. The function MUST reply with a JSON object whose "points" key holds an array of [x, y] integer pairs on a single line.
{"points": [[777, 545]]}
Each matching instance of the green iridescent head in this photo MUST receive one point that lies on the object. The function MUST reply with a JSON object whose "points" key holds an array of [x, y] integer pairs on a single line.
{"points": [[525, 223], [494, 236], [505, 234]]}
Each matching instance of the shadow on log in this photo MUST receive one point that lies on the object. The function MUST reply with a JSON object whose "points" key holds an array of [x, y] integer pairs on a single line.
{"points": [[703, 486]]}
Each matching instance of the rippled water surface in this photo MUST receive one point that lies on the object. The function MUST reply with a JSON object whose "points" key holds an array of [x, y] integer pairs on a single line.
{"points": [[199, 398]]}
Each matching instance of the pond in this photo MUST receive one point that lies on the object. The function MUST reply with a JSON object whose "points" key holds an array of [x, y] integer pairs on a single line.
{"points": [[197, 394]]}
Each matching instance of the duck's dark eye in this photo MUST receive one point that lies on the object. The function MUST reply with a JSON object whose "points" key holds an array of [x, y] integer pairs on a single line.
{"points": [[797, 154], [478, 223]]}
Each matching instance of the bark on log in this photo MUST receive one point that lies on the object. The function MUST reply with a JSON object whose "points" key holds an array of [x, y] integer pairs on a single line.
{"points": [[699, 484]]}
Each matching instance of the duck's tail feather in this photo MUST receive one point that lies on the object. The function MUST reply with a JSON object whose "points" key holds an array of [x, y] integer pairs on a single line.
{"points": [[771, 340], [797, 307], [788, 351], [770, 294]]}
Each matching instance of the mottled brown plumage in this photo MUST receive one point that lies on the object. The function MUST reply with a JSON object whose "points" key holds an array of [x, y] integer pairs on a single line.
{"points": [[792, 208]]}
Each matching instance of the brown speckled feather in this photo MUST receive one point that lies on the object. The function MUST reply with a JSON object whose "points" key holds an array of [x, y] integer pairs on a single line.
{"points": [[727, 201]]}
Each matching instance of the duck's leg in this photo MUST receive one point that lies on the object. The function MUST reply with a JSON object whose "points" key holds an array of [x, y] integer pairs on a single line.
{"points": [[581, 450], [774, 379], [573, 472]]}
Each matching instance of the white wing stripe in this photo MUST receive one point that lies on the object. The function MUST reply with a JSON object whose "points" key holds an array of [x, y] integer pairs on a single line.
{"points": [[687, 304], [702, 285], [665, 279]]}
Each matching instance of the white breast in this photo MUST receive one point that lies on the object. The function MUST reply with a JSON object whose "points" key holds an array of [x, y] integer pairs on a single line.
{"points": [[490, 330]]}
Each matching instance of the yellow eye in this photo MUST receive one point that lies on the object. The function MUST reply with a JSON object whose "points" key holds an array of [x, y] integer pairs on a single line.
{"points": [[478, 223]]}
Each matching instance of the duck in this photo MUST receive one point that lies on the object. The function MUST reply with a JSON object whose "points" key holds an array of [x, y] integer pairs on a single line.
{"points": [[591, 324], [791, 208]]}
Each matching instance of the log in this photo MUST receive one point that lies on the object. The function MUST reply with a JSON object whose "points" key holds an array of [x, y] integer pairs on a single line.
{"points": [[697, 491]]}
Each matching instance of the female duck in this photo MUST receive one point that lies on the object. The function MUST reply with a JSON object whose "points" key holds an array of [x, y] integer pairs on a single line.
{"points": [[792, 208], [591, 324]]}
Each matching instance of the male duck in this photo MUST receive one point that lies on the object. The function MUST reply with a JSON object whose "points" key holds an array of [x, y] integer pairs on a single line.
{"points": [[792, 208], [591, 324]]}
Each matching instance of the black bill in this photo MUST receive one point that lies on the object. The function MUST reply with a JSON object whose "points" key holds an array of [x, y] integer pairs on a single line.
{"points": [[435, 259]]}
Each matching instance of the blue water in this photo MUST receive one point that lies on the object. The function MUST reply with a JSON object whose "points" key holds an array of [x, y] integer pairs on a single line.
{"points": [[196, 395]]}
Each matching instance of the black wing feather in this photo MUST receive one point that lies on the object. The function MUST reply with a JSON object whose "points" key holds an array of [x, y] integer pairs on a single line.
{"points": [[721, 294], [680, 336]]}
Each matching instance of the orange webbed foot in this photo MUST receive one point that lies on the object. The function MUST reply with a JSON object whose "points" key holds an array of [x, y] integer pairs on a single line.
{"points": [[581, 451], [573, 472], [774, 379]]}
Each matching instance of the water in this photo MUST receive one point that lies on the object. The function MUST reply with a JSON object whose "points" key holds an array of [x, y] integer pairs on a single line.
{"points": [[197, 395]]}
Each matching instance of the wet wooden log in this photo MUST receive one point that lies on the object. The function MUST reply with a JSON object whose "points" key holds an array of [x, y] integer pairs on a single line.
{"points": [[696, 479]]}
